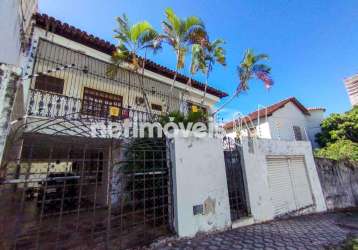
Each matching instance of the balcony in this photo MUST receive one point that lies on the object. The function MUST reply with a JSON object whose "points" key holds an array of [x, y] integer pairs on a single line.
{"points": [[50, 105]]}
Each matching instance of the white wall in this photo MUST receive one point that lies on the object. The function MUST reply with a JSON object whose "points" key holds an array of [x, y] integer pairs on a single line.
{"points": [[257, 176], [11, 23], [199, 175], [314, 125], [283, 120], [279, 126], [262, 129]]}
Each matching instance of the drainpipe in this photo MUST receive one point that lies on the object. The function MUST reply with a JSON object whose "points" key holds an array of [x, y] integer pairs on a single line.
{"points": [[9, 80]]}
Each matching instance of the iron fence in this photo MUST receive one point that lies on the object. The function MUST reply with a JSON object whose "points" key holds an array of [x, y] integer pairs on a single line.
{"points": [[66, 193], [235, 179]]}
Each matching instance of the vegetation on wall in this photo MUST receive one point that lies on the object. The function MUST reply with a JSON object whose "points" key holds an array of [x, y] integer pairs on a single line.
{"points": [[340, 150], [179, 117], [339, 136]]}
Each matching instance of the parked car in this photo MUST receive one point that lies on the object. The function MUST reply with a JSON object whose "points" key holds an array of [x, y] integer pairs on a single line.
{"points": [[57, 189]]}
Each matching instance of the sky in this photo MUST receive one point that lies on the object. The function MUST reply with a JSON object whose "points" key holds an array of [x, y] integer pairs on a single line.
{"points": [[312, 44]]}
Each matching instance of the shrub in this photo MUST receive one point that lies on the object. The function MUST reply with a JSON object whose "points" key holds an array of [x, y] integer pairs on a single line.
{"points": [[339, 150]]}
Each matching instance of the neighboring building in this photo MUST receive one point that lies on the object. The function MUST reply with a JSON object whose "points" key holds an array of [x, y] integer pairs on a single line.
{"points": [[15, 22], [351, 84], [285, 120], [15, 40]]}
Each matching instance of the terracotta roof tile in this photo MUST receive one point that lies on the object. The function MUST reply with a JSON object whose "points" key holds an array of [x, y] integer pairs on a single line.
{"points": [[269, 111], [63, 29]]}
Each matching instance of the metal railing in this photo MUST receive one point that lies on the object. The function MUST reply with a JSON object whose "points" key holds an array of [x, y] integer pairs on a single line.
{"points": [[46, 104]]}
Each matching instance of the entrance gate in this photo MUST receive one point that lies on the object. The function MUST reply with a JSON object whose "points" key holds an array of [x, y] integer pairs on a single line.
{"points": [[66, 192], [235, 179]]}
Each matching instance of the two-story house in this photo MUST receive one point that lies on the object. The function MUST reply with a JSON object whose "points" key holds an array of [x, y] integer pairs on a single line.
{"points": [[285, 120], [70, 183]]}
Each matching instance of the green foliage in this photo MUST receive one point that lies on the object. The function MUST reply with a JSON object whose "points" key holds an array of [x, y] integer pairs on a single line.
{"points": [[178, 117], [249, 65], [339, 150], [181, 33], [339, 127], [131, 40], [350, 244], [249, 69]]}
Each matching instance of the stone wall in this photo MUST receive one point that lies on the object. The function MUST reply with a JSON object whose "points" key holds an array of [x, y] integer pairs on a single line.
{"points": [[339, 181]]}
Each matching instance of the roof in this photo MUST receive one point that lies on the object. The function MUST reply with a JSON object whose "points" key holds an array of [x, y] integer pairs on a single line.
{"points": [[63, 29], [269, 111]]}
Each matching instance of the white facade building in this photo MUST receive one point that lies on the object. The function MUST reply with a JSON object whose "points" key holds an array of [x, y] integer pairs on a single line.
{"points": [[15, 27], [286, 120]]}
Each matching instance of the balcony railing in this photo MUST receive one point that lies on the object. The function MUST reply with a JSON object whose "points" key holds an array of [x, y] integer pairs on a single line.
{"points": [[51, 105]]}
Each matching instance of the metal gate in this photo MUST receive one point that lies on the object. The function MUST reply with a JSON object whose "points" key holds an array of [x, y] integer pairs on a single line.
{"points": [[68, 192], [235, 179]]}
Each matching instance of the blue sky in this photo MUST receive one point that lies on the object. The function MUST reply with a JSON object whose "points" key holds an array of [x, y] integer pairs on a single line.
{"points": [[313, 44]]}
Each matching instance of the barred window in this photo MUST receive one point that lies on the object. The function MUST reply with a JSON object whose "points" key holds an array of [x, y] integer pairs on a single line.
{"points": [[99, 103], [49, 84], [157, 107], [298, 133]]}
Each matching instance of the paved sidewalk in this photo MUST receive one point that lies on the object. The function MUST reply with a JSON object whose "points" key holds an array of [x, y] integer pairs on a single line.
{"points": [[305, 232]]}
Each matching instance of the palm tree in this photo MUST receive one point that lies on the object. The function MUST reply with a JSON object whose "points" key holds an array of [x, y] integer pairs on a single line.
{"points": [[250, 68], [204, 57], [180, 34], [131, 41]]}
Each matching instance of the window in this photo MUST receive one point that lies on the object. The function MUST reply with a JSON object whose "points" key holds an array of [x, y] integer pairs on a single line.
{"points": [[101, 104], [252, 132], [297, 132], [49, 84], [157, 107], [195, 107]]}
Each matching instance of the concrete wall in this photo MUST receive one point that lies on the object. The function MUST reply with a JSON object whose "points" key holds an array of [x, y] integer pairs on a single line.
{"points": [[9, 83], [339, 180], [262, 129], [283, 120], [199, 178], [255, 153], [10, 21], [15, 26]]}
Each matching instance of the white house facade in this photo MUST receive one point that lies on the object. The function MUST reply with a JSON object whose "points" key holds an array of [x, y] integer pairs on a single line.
{"points": [[286, 120]]}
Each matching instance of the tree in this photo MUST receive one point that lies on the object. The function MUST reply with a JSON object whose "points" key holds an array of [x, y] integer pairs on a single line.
{"points": [[204, 57], [249, 69], [339, 127], [180, 34], [339, 150], [131, 41]]}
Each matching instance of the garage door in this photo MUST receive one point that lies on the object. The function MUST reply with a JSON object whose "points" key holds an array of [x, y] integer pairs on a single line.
{"points": [[289, 185]]}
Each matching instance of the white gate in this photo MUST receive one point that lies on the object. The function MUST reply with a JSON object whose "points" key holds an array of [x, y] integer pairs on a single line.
{"points": [[289, 185]]}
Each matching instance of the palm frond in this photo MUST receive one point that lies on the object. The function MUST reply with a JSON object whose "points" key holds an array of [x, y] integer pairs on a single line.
{"points": [[173, 19], [120, 56], [140, 30]]}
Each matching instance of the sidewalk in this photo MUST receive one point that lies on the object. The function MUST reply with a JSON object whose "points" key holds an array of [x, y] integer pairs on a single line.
{"points": [[305, 232]]}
